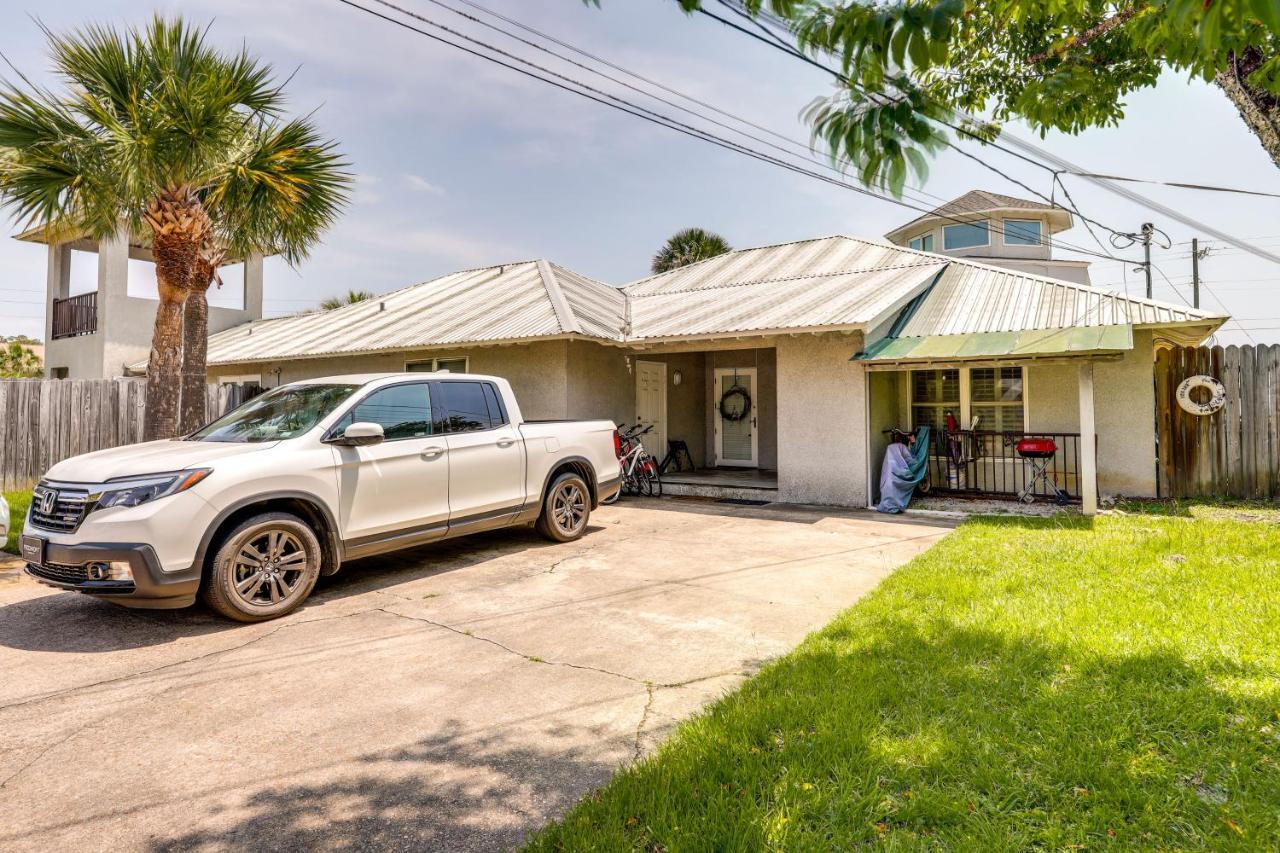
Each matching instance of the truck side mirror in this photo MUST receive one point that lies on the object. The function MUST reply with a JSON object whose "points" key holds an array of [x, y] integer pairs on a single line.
{"points": [[360, 434]]}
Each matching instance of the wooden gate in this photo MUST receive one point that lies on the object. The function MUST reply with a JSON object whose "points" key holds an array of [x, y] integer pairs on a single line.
{"points": [[1234, 452]]}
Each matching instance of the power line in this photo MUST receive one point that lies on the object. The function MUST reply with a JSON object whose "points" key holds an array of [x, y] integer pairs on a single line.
{"points": [[1066, 166], [623, 105], [1202, 187], [773, 41]]}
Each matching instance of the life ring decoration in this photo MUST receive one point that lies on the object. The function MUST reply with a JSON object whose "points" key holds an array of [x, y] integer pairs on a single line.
{"points": [[1217, 395], [735, 404]]}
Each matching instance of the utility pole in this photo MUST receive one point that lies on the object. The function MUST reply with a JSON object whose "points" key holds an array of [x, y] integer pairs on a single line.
{"points": [[1147, 230], [1195, 272]]}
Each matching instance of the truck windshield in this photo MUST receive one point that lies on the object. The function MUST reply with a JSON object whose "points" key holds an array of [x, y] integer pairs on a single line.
{"points": [[279, 414]]}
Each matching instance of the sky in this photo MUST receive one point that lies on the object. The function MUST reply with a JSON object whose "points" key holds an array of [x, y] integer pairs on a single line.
{"points": [[460, 163]]}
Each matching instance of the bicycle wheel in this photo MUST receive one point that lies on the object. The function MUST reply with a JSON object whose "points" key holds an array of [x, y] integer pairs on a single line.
{"points": [[653, 479]]}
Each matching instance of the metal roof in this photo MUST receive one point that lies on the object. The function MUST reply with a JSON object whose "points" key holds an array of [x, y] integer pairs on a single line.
{"points": [[971, 297], [530, 299], [985, 345], [977, 202], [809, 285]]}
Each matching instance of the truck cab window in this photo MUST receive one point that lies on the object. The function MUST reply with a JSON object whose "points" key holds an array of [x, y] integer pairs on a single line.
{"points": [[403, 411], [463, 407]]}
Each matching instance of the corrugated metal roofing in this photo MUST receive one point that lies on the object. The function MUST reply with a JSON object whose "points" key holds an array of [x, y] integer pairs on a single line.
{"points": [[971, 298], [507, 302], [832, 282], [1040, 342], [835, 281]]}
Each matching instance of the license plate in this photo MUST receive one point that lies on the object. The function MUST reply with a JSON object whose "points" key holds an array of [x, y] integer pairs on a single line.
{"points": [[33, 549]]}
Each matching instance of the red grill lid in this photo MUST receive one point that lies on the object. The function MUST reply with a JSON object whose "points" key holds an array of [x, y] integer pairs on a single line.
{"points": [[1037, 446]]}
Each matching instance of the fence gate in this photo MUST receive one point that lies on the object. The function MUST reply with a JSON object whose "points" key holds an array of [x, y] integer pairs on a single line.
{"points": [[1234, 452]]}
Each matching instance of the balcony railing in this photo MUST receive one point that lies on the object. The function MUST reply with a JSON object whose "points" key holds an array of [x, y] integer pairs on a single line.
{"points": [[76, 315], [986, 462]]}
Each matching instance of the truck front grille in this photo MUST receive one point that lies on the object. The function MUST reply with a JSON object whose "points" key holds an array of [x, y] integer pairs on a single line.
{"points": [[56, 508]]}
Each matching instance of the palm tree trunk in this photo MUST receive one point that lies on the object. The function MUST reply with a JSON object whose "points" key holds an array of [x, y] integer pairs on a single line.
{"points": [[195, 348], [161, 419], [179, 228], [1259, 109]]}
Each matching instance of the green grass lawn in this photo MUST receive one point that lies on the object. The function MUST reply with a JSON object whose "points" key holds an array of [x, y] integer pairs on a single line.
{"points": [[1028, 683], [18, 503]]}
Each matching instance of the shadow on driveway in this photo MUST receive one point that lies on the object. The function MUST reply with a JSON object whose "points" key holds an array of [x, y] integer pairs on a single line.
{"points": [[74, 623]]}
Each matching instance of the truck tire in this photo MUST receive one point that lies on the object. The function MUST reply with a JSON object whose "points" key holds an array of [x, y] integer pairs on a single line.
{"points": [[265, 567], [565, 509]]}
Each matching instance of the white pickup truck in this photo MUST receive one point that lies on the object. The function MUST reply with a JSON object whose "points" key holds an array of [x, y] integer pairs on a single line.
{"points": [[250, 510]]}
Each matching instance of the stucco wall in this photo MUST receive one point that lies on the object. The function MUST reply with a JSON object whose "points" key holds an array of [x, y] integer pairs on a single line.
{"points": [[536, 371], [1124, 406], [600, 385], [821, 423]]}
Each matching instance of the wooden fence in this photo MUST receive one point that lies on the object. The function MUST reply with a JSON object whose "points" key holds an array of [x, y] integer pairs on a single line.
{"points": [[43, 421], [1234, 452]]}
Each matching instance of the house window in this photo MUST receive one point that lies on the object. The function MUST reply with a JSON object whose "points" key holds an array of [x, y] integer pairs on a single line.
{"points": [[933, 394], [966, 235], [995, 398], [1022, 232], [922, 244], [437, 365]]}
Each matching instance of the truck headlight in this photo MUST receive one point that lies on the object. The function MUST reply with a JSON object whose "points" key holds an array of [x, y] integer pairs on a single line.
{"points": [[131, 491]]}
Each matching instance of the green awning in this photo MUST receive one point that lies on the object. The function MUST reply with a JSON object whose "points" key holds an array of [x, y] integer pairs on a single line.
{"points": [[987, 345]]}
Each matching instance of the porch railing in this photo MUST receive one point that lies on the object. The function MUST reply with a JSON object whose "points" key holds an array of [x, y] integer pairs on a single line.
{"points": [[76, 315], [986, 462]]}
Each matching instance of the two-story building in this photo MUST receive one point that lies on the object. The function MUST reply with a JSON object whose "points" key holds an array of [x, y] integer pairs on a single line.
{"points": [[97, 334]]}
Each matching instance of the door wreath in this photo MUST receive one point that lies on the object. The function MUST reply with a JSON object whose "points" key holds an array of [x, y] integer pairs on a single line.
{"points": [[735, 404]]}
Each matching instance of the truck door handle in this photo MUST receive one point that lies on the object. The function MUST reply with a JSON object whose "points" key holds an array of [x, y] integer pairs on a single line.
{"points": [[432, 453], [506, 442]]}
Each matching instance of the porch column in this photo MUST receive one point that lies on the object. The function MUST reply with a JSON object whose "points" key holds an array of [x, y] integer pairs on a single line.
{"points": [[1088, 448], [253, 286]]}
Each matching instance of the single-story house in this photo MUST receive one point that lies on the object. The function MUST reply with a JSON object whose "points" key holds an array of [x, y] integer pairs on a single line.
{"points": [[833, 340]]}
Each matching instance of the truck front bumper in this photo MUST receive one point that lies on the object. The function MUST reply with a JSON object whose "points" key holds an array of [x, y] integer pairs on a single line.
{"points": [[73, 567]]}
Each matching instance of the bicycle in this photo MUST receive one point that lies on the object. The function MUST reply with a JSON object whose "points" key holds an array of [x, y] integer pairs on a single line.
{"points": [[640, 474]]}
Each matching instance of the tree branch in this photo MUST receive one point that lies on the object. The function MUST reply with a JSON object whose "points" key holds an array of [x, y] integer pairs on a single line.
{"points": [[1088, 35]]}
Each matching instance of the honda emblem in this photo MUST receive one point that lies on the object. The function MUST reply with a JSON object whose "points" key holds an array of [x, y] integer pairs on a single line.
{"points": [[48, 501]]}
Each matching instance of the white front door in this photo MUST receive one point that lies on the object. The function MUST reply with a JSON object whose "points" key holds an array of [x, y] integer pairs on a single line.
{"points": [[736, 440], [651, 405]]}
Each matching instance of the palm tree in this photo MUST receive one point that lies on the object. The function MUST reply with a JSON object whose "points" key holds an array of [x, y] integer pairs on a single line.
{"points": [[19, 362], [688, 247], [350, 298], [159, 133]]}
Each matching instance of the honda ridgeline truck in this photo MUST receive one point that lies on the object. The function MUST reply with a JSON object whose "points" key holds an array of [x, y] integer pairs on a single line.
{"points": [[250, 510]]}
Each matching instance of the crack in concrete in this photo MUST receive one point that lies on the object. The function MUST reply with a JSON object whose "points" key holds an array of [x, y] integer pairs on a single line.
{"points": [[531, 658], [644, 718], [24, 768]]}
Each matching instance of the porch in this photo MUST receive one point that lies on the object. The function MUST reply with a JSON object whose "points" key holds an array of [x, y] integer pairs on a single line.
{"points": [[978, 412], [713, 414]]}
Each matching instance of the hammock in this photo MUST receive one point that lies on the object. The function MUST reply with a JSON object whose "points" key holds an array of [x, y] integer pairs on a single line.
{"points": [[904, 468]]}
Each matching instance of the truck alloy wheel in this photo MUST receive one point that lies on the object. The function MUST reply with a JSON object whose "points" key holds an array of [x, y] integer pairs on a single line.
{"points": [[264, 568], [565, 509]]}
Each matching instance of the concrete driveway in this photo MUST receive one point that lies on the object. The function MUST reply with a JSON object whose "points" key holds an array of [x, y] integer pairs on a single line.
{"points": [[452, 697]]}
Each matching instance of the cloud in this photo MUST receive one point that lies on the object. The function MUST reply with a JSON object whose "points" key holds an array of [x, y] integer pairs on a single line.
{"points": [[417, 183]]}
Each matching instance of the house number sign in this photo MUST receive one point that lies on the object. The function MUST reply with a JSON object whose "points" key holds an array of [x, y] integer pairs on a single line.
{"points": [[1204, 403]]}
